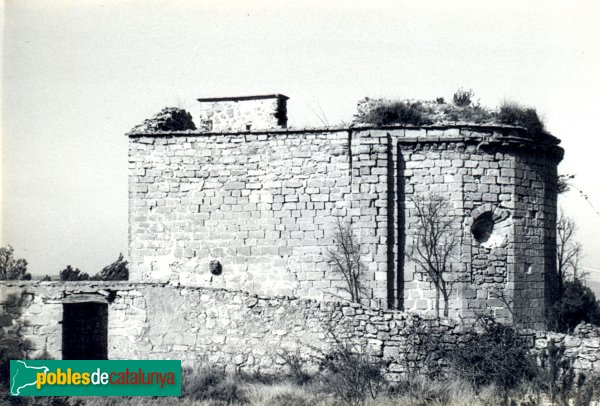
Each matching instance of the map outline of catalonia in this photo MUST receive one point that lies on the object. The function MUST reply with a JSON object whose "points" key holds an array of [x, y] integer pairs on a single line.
{"points": [[14, 378]]}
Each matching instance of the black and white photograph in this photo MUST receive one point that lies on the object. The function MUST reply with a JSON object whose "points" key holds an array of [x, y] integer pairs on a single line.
{"points": [[300, 203]]}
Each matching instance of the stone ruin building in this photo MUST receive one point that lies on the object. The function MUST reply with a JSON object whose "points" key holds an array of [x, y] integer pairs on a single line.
{"points": [[261, 200], [230, 224]]}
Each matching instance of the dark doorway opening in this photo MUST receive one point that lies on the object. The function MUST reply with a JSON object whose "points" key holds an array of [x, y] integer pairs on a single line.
{"points": [[85, 330]]}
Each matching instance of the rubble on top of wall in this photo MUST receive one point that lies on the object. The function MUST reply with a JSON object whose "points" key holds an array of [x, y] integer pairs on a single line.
{"points": [[421, 112], [169, 119], [587, 330], [439, 112]]}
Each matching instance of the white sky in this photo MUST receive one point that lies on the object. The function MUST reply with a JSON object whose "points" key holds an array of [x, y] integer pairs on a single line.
{"points": [[78, 74]]}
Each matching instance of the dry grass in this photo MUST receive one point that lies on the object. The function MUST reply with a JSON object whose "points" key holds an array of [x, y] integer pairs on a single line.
{"points": [[417, 392], [462, 110], [209, 386]]}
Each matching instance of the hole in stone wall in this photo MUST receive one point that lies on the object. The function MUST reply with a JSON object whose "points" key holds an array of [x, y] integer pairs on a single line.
{"points": [[85, 330], [491, 229], [215, 268], [482, 227]]}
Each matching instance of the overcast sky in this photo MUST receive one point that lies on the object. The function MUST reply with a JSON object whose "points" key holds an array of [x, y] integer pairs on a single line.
{"points": [[78, 74]]}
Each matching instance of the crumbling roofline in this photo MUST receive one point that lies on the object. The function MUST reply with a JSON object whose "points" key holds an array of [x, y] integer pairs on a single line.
{"points": [[503, 128], [240, 98]]}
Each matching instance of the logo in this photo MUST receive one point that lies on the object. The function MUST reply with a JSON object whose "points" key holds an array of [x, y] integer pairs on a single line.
{"points": [[95, 378]]}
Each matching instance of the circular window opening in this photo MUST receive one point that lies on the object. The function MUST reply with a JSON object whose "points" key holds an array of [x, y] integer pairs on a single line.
{"points": [[482, 227], [215, 268]]}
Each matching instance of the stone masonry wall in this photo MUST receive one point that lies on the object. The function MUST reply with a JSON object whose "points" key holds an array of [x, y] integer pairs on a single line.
{"points": [[261, 204], [243, 113], [264, 204], [462, 176], [504, 257], [233, 329], [535, 215]]}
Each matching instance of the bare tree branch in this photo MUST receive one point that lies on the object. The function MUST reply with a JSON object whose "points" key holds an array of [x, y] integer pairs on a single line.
{"points": [[345, 259], [434, 246], [568, 251]]}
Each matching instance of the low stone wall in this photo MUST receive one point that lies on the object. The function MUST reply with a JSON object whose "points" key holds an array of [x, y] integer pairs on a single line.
{"points": [[584, 351], [234, 329]]}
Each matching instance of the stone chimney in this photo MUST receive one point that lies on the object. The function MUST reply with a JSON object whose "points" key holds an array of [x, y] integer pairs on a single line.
{"points": [[243, 113]]}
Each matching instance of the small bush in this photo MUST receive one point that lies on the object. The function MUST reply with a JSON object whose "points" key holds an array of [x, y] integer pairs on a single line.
{"points": [[462, 109], [117, 271], [70, 274], [497, 355], [425, 350], [556, 373], [462, 98], [471, 114], [295, 365], [558, 379], [514, 114], [211, 383], [398, 112], [352, 375], [578, 304]]}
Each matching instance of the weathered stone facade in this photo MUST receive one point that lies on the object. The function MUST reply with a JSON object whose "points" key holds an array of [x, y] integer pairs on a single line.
{"points": [[233, 329], [264, 203], [243, 113], [229, 234]]}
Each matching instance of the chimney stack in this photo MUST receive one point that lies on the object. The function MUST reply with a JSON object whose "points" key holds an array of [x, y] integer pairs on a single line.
{"points": [[243, 113]]}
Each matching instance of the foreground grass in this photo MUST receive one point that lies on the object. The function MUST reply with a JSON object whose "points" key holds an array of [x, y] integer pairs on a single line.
{"points": [[210, 386], [418, 392]]}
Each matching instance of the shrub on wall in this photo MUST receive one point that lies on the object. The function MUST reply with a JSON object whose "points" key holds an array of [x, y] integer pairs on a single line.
{"points": [[514, 114], [462, 110], [496, 355], [398, 112], [488, 353], [462, 98]]}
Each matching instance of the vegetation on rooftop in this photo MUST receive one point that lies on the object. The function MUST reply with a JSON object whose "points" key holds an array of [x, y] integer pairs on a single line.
{"points": [[462, 109], [399, 112]]}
